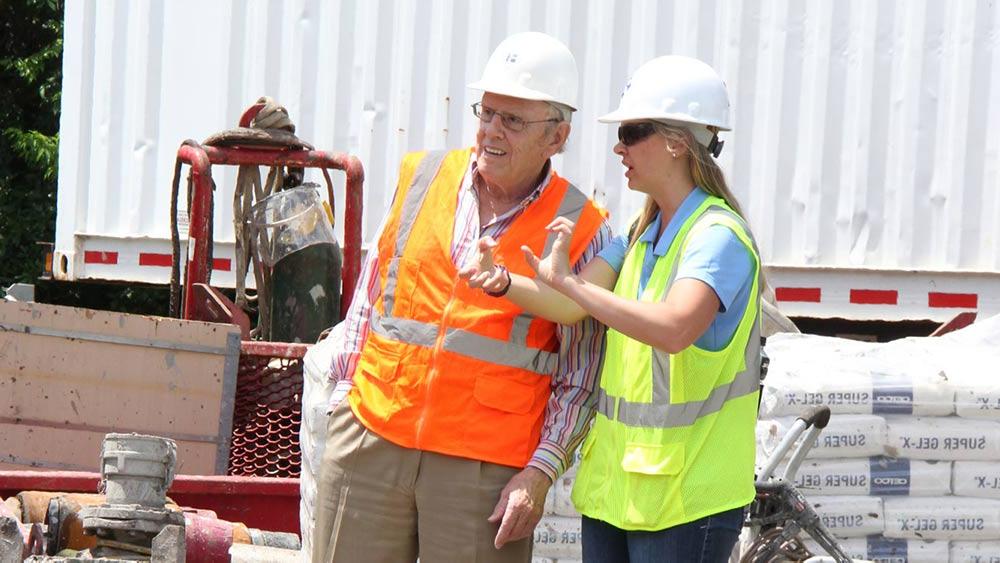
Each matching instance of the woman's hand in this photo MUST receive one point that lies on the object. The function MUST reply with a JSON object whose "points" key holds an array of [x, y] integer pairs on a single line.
{"points": [[484, 274], [554, 270]]}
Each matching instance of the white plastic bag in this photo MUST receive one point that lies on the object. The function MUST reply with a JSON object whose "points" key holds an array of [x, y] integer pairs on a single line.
{"points": [[975, 551], [942, 518], [947, 438], [876, 476], [846, 436], [850, 516], [558, 537], [879, 548], [316, 392], [977, 479]]}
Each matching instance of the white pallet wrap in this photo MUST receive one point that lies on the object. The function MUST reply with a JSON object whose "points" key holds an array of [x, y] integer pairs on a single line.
{"points": [[558, 537], [850, 516], [317, 391], [976, 479], [950, 438], [849, 435], [889, 550], [563, 488], [973, 376], [942, 518], [550, 501], [975, 552], [874, 476], [850, 378]]}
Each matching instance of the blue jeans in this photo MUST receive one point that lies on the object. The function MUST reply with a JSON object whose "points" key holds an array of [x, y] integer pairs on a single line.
{"points": [[709, 540]]}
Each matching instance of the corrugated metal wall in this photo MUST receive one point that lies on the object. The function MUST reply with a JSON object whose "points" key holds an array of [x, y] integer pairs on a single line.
{"points": [[867, 133]]}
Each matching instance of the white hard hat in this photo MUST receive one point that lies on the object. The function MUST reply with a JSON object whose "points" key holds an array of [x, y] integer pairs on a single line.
{"points": [[531, 66], [676, 90]]}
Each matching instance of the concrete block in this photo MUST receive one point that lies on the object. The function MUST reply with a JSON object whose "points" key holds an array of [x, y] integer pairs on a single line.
{"points": [[169, 545], [11, 541]]}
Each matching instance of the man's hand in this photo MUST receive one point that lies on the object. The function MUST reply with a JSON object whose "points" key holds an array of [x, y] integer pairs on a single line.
{"points": [[520, 507], [482, 274]]}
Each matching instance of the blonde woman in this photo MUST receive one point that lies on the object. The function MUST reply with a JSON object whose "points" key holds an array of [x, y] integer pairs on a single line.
{"points": [[667, 468]]}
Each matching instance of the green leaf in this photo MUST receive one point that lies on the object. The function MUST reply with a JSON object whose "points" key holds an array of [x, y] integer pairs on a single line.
{"points": [[39, 150]]}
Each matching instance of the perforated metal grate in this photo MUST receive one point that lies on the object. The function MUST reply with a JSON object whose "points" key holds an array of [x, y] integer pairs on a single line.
{"points": [[267, 411]]}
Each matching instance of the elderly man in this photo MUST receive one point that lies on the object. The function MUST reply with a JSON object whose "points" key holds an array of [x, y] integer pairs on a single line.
{"points": [[461, 409]]}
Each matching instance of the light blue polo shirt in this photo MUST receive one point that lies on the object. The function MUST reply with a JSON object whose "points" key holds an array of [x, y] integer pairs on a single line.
{"points": [[715, 256]]}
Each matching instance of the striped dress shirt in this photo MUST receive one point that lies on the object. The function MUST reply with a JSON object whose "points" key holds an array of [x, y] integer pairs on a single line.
{"points": [[571, 404]]}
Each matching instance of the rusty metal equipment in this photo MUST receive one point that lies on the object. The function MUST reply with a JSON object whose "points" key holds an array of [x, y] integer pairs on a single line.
{"points": [[267, 412], [136, 472], [201, 158]]}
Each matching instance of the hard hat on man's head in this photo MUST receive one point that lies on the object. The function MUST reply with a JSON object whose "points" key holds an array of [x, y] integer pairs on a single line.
{"points": [[676, 90], [532, 66]]}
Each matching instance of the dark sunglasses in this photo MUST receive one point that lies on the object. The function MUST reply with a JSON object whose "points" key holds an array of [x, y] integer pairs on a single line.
{"points": [[632, 133]]}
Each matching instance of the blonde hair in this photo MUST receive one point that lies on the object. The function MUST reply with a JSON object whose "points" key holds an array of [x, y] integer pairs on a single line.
{"points": [[705, 172]]}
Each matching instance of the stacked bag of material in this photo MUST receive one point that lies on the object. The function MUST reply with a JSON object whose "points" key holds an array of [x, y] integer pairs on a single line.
{"points": [[908, 468], [557, 536]]}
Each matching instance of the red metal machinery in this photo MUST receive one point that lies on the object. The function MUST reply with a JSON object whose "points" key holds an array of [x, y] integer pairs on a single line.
{"points": [[269, 382], [260, 490], [201, 159]]}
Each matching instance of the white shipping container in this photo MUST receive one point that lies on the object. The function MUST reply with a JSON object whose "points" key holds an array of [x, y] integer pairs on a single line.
{"points": [[865, 146]]}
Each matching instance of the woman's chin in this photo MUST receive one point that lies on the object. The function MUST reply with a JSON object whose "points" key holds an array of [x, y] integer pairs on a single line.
{"points": [[633, 186]]}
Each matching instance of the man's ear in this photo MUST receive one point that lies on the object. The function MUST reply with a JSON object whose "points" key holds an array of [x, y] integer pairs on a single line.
{"points": [[559, 136]]}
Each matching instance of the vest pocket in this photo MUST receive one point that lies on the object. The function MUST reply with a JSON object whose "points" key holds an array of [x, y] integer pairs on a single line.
{"points": [[653, 459], [504, 394], [651, 473]]}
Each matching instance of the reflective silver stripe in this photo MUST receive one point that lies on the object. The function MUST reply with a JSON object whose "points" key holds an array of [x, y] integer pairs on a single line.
{"points": [[404, 330], [519, 332], [661, 359], [499, 352], [465, 343], [660, 413], [570, 207], [415, 196], [605, 404]]}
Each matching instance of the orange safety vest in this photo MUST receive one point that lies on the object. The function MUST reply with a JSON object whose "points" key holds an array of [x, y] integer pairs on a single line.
{"points": [[446, 368]]}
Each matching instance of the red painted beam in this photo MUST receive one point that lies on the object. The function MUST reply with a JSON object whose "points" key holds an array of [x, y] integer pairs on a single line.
{"points": [[942, 300], [100, 257], [266, 503], [874, 296], [798, 294], [154, 259], [957, 322]]}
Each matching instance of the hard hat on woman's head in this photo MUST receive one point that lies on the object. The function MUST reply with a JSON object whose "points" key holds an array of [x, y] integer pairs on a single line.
{"points": [[532, 66], [678, 91]]}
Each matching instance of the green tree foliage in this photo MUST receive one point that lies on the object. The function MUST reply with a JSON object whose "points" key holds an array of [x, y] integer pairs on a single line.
{"points": [[30, 75], [31, 46]]}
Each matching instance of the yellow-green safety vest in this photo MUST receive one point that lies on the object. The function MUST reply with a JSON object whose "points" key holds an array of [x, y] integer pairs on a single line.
{"points": [[673, 438]]}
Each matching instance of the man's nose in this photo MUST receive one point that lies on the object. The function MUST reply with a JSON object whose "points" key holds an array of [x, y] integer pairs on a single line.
{"points": [[492, 127]]}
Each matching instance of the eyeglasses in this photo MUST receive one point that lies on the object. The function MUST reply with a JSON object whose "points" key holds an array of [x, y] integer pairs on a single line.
{"points": [[509, 120], [632, 133]]}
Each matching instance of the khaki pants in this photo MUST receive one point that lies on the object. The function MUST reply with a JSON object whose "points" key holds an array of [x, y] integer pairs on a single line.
{"points": [[379, 502]]}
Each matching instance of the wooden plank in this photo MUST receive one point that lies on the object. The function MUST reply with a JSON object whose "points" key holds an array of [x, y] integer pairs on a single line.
{"points": [[69, 375]]}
